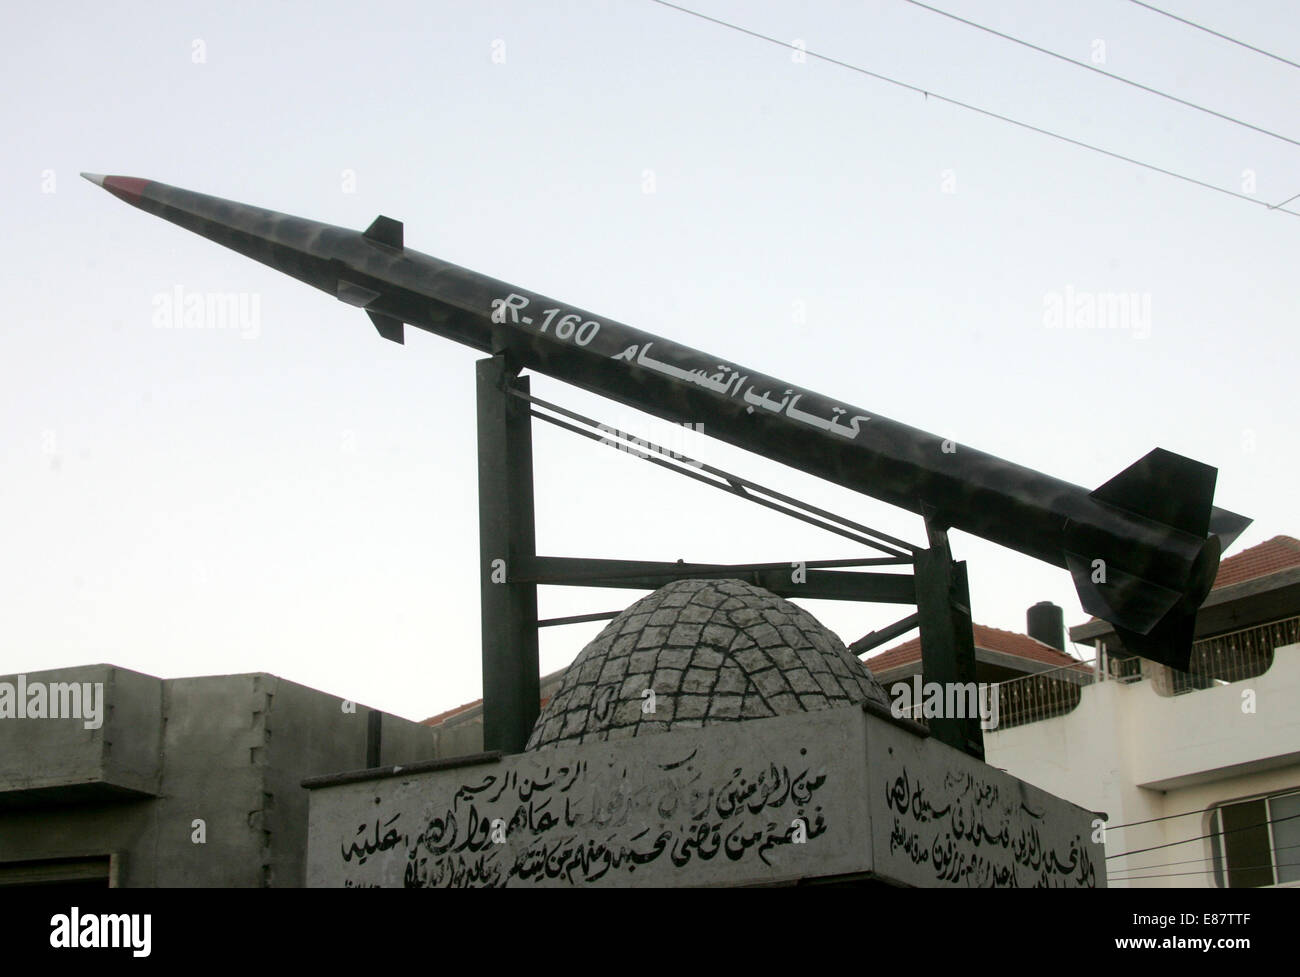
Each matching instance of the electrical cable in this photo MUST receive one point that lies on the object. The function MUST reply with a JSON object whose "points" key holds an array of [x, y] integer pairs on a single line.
{"points": [[975, 108], [1092, 67]]}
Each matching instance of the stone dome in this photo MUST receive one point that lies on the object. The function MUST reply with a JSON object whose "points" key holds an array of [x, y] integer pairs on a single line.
{"points": [[712, 651]]}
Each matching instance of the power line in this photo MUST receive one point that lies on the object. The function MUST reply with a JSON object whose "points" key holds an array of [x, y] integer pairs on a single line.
{"points": [[1185, 861], [1107, 74], [1169, 875], [1187, 841], [1287, 200], [975, 108], [1130, 824], [1233, 40], [1185, 814]]}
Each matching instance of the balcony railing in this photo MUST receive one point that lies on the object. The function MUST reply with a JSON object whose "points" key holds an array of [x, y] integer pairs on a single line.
{"points": [[1027, 699], [1215, 661], [1043, 695], [1232, 657]]}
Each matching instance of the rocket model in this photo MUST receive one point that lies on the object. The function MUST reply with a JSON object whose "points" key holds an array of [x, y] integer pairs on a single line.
{"points": [[1143, 549]]}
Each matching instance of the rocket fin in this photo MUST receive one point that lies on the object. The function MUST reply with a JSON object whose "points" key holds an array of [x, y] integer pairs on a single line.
{"points": [[1150, 621], [1167, 488], [1227, 525], [1120, 597], [385, 230], [1169, 643], [388, 327]]}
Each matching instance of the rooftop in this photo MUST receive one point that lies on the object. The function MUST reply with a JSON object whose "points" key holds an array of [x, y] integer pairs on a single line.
{"points": [[1278, 553], [990, 639]]}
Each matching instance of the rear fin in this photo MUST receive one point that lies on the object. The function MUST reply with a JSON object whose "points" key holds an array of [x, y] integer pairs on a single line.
{"points": [[1152, 621], [386, 231], [1227, 525], [1167, 488], [1121, 598], [388, 327]]}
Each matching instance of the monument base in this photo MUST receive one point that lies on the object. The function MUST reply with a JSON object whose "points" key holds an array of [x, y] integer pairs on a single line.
{"points": [[838, 793]]}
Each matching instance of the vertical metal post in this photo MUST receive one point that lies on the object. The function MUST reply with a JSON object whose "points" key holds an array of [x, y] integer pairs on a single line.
{"points": [[947, 640], [511, 690]]}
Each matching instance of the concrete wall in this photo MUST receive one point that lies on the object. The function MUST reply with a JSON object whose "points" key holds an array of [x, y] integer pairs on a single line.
{"points": [[109, 747], [829, 794], [461, 738], [1137, 755], [230, 751]]}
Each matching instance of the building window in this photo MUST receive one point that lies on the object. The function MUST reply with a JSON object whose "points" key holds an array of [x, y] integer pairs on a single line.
{"points": [[1257, 842]]}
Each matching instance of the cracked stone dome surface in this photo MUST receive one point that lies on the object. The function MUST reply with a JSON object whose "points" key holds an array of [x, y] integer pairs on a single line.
{"points": [[713, 651]]}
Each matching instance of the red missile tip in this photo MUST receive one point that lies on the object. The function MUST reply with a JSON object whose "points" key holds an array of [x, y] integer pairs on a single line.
{"points": [[128, 188]]}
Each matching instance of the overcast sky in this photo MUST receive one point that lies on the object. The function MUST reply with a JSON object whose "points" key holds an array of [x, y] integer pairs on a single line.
{"points": [[295, 495]]}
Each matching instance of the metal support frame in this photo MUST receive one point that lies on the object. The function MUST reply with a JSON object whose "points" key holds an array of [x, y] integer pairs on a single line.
{"points": [[507, 536], [511, 569], [887, 588], [719, 479]]}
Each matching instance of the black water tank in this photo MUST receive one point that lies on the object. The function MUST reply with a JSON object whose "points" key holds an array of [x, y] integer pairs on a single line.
{"points": [[1047, 624]]}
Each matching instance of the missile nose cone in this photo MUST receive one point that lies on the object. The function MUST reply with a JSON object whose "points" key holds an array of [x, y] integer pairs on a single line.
{"points": [[128, 188]]}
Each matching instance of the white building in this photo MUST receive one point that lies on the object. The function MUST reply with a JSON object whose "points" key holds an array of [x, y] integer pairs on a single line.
{"points": [[1198, 773]]}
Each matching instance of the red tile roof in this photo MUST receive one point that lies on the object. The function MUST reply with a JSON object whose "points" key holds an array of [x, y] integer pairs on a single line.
{"points": [[1278, 553], [443, 716], [990, 639]]}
